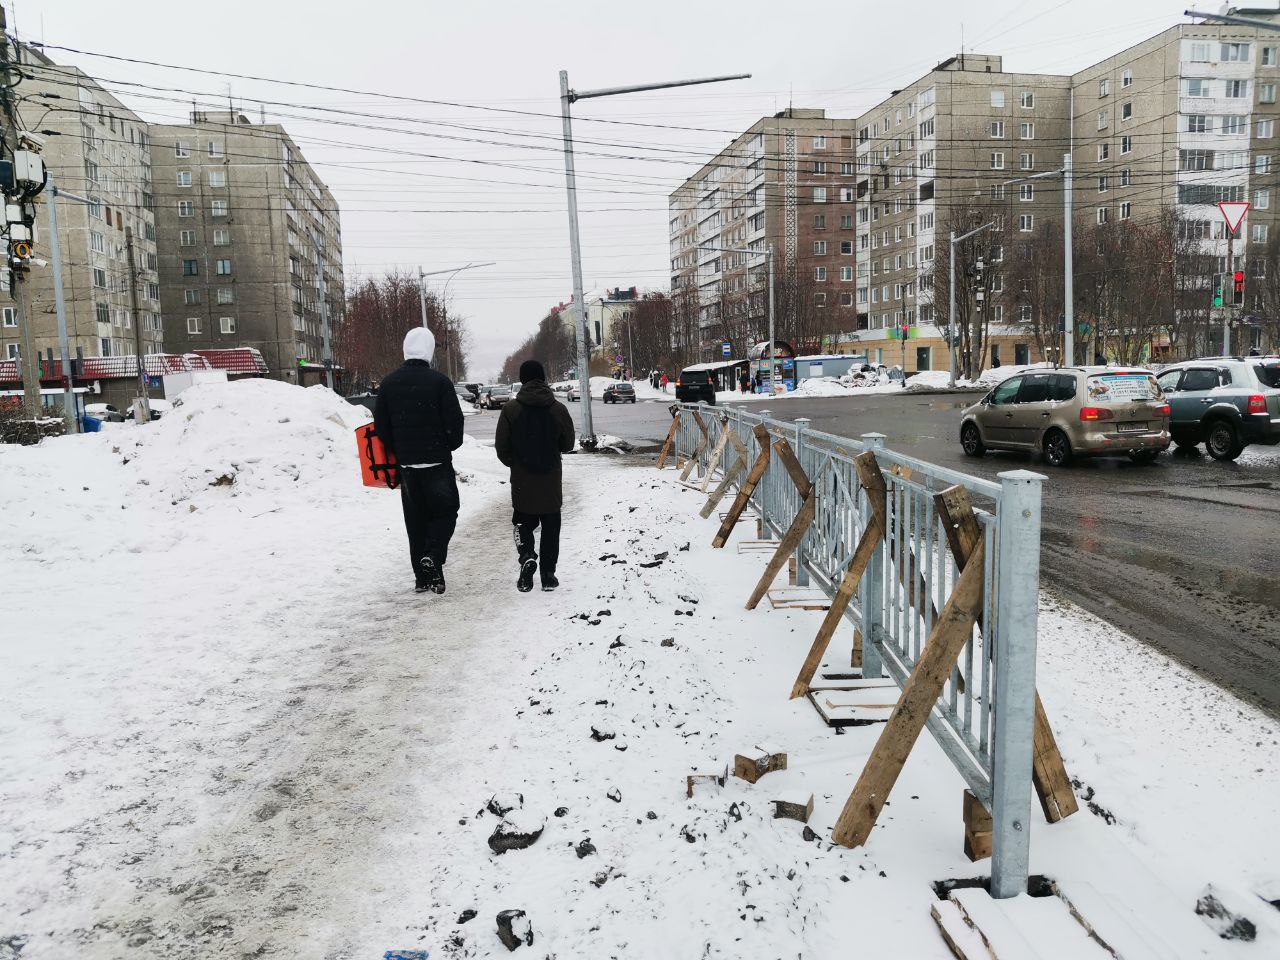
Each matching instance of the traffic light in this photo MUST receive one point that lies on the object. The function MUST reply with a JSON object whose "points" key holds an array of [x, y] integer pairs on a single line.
{"points": [[1238, 291], [1217, 289]]}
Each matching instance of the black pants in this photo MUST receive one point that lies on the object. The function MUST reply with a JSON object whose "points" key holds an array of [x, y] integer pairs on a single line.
{"points": [[429, 496], [525, 524]]}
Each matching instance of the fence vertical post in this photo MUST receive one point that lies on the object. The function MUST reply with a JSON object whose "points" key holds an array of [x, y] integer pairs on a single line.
{"points": [[1017, 590], [872, 595], [802, 572], [762, 492]]}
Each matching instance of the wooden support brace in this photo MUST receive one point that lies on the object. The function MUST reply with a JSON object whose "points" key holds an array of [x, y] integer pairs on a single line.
{"points": [[795, 533], [671, 439], [791, 464], [747, 489], [1048, 771], [947, 639], [873, 483], [739, 464], [697, 452], [717, 453]]}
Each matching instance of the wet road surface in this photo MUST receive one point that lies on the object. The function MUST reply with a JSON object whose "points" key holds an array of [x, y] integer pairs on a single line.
{"points": [[1181, 554]]}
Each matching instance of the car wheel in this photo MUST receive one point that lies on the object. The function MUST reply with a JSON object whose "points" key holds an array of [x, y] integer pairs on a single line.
{"points": [[971, 440], [1222, 441], [1057, 449], [633, 399], [1144, 456]]}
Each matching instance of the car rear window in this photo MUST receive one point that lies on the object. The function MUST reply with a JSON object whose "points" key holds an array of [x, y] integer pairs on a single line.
{"points": [[1268, 374], [1118, 387], [694, 376]]}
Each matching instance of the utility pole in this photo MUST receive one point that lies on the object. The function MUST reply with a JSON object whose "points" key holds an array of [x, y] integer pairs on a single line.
{"points": [[60, 305], [142, 404], [326, 342], [1228, 305], [951, 316], [1068, 279]]}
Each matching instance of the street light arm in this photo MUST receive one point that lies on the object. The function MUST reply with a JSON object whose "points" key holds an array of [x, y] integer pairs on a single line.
{"points": [[574, 95], [966, 236], [1237, 21]]}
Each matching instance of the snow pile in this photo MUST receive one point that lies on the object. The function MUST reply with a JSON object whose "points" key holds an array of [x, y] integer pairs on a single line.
{"points": [[821, 387], [930, 380]]}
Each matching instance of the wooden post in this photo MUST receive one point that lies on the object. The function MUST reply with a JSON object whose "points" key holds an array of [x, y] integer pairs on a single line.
{"points": [[671, 437], [739, 464], [977, 828], [873, 483], [947, 639], [786, 546], [697, 452], [1048, 771], [747, 489], [717, 453]]}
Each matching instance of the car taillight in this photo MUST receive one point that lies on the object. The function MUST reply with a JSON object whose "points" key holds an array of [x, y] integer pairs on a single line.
{"points": [[1096, 413], [1257, 403], [677, 381], [1163, 410]]}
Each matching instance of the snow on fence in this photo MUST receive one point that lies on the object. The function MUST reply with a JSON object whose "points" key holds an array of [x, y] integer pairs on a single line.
{"points": [[938, 574]]}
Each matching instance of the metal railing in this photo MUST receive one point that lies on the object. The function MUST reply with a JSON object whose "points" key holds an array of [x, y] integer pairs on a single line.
{"points": [[984, 719]]}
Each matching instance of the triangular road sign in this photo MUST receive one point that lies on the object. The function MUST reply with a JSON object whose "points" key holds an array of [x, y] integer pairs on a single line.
{"points": [[1233, 212]]}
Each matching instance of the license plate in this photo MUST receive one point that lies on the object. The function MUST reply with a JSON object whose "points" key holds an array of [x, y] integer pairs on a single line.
{"points": [[1133, 427]]}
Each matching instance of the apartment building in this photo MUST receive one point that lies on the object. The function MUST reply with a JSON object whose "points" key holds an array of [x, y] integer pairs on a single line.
{"points": [[786, 183], [250, 240], [947, 153], [100, 150]]}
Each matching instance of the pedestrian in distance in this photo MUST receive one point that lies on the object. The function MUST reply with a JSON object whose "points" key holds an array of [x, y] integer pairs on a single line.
{"points": [[664, 383], [533, 431], [744, 382], [418, 419]]}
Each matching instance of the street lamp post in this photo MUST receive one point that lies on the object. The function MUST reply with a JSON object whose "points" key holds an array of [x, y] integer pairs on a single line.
{"points": [[567, 98], [422, 298]]}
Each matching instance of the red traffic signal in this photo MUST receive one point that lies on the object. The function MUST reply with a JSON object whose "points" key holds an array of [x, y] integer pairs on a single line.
{"points": [[1238, 276]]}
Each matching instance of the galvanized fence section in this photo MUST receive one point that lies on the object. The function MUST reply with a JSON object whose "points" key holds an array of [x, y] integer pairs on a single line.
{"points": [[984, 719]]}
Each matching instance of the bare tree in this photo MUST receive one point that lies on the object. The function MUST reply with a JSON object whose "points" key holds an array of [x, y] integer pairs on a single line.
{"points": [[980, 261]]}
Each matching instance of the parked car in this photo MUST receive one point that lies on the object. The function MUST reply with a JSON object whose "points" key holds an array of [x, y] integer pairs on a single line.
{"points": [[106, 412], [464, 393], [1072, 412], [694, 385], [1225, 403], [574, 393], [366, 400], [494, 395], [159, 407], [620, 392]]}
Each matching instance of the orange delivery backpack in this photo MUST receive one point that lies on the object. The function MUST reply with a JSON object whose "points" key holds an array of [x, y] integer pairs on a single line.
{"points": [[377, 463]]}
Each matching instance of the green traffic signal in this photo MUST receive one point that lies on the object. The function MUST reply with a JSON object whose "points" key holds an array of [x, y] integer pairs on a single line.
{"points": [[1217, 289]]}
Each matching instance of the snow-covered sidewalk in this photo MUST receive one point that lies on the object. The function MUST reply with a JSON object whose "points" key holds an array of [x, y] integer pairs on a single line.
{"points": [[232, 729]]}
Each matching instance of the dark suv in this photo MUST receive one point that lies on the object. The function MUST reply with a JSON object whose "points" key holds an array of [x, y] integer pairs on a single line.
{"points": [[693, 385], [620, 392], [1226, 403]]}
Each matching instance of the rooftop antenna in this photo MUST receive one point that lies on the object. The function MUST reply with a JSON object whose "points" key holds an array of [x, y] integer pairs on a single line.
{"points": [[962, 45], [262, 114]]}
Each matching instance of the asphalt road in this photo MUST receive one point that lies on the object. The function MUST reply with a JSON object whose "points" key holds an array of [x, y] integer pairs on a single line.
{"points": [[1181, 554]]}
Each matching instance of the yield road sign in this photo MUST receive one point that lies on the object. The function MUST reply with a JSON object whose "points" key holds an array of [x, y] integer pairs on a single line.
{"points": [[1233, 212]]}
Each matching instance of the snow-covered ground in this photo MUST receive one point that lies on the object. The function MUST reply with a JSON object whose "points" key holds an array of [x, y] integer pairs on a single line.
{"points": [[232, 730]]}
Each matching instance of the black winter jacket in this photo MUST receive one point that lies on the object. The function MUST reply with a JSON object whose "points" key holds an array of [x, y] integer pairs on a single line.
{"points": [[417, 414], [531, 491]]}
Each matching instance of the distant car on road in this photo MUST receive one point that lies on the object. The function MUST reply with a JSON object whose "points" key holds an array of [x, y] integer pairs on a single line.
{"points": [[694, 385], [620, 392], [1072, 412], [494, 395], [106, 412], [574, 393], [464, 392], [366, 400], [1225, 403]]}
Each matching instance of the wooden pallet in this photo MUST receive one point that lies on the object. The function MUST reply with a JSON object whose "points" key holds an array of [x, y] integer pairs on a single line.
{"points": [[798, 598], [854, 703], [757, 546]]}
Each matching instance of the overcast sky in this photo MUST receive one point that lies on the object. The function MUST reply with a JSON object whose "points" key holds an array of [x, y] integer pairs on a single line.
{"points": [[397, 184]]}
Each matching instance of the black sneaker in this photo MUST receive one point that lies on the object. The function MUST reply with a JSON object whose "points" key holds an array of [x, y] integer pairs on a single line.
{"points": [[433, 575], [421, 586], [525, 583], [549, 583]]}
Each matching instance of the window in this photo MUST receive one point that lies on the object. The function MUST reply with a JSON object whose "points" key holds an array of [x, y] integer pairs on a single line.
{"points": [[819, 143], [1235, 52], [1027, 131], [1196, 87], [1104, 214], [1262, 199], [846, 221], [1209, 193], [1237, 89], [1196, 123], [186, 208], [1126, 144], [1027, 100], [100, 278], [222, 268], [1266, 129], [102, 312], [1103, 120], [1026, 191], [997, 129], [190, 268], [181, 148], [10, 317], [1126, 176], [1027, 161], [217, 178], [1268, 56], [218, 208], [997, 98], [1126, 110], [1126, 78], [1262, 163], [820, 273], [226, 295], [1231, 160], [1104, 151], [820, 299], [820, 248], [222, 237], [846, 299], [97, 242], [1104, 88], [184, 178], [215, 148], [846, 194], [846, 248], [186, 238], [1126, 210], [819, 194], [1026, 222], [227, 324], [153, 292], [193, 324], [997, 161], [1235, 124], [846, 170], [191, 297], [819, 221], [1195, 159], [819, 166], [1259, 233], [11, 350], [926, 129]]}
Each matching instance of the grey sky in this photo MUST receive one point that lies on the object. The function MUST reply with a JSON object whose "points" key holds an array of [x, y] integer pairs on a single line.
{"points": [[826, 53]]}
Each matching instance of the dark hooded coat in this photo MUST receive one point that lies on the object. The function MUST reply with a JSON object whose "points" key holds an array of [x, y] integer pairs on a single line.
{"points": [[533, 431]]}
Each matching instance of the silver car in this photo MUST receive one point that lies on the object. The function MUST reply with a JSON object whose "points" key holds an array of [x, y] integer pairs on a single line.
{"points": [[1071, 412]]}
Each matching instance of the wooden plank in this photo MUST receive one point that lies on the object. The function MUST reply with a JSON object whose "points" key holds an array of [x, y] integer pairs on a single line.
{"points": [[921, 691], [747, 489], [1048, 770], [792, 465], [697, 451], [717, 453], [786, 547], [873, 483], [963, 940], [977, 828], [671, 437], [739, 464]]}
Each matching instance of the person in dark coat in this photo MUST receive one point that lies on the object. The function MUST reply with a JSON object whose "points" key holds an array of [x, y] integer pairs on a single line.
{"points": [[533, 431], [418, 419]]}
